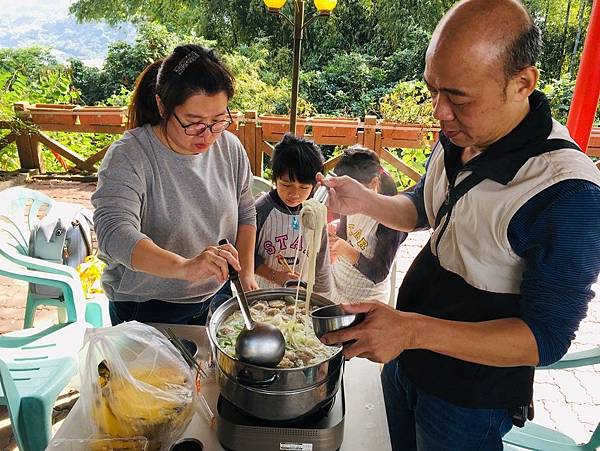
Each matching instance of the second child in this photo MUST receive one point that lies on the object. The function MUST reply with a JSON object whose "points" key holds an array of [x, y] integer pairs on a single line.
{"points": [[363, 250]]}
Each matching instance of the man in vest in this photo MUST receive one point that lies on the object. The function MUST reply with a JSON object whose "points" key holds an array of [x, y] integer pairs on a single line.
{"points": [[506, 277]]}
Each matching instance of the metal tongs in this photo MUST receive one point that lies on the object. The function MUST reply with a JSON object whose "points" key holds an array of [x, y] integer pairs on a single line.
{"points": [[322, 192]]}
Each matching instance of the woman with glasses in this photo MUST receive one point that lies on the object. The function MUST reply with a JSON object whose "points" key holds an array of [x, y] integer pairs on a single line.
{"points": [[169, 190]]}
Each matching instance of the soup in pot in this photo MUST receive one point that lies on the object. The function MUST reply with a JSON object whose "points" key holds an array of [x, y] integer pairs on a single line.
{"points": [[302, 347]]}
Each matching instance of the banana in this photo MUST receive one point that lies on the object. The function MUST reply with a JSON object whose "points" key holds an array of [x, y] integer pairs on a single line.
{"points": [[148, 403], [107, 422]]}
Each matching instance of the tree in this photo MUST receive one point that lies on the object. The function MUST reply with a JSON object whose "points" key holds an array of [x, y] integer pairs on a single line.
{"points": [[124, 62], [32, 61]]}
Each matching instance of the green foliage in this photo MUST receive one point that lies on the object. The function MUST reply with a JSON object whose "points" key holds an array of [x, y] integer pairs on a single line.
{"points": [[559, 93], [85, 144], [408, 102], [44, 85], [32, 74], [122, 98], [559, 41], [252, 92], [32, 61], [350, 85]]}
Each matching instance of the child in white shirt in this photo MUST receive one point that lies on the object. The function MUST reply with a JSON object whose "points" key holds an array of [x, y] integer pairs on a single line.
{"points": [[363, 250]]}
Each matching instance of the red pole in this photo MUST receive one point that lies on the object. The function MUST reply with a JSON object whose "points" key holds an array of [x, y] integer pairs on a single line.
{"points": [[587, 87]]}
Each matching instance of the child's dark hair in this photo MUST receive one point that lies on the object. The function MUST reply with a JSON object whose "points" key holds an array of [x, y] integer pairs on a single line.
{"points": [[190, 69], [363, 164], [298, 158]]}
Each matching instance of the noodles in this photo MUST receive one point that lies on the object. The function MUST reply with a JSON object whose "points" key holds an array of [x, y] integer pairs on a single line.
{"points": [[302, 347], [313, 218]]}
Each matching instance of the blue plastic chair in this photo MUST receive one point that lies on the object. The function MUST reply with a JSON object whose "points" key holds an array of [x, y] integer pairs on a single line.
{"points": [[37, 363], [29, 390], [20, 209], [536, 437]]}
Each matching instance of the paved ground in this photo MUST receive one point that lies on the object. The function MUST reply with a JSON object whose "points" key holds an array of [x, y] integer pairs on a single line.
{"points": [[567, 400]]}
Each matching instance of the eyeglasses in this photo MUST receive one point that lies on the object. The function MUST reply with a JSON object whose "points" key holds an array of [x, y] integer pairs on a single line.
{"points": [[198, 128]]}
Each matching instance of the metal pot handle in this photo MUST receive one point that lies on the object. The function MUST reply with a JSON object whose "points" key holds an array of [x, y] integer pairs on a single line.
{"points": [[244, 379], [295, 283]]}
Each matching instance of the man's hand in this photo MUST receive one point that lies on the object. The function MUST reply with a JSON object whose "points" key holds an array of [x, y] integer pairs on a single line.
{"points": [[382, 336], [346, 195], [212, 261]]}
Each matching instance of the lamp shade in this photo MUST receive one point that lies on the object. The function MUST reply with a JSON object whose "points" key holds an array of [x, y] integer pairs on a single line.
{"points": [[274, 4], [325, 6]]}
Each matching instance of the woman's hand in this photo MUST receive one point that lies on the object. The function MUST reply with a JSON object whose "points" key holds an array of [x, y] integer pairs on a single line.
{"points": [[211, 262]]}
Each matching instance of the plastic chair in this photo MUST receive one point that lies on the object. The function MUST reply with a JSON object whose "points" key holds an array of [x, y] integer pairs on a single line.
{"points": [[37, 363], [20, 209], [29, 390], [536, 437], [260, 185]]}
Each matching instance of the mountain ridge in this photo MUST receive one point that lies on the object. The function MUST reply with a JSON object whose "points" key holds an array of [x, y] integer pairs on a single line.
{"points": [[37, 22]]}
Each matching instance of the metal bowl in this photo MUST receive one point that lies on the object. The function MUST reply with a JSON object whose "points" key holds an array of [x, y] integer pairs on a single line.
{"points": [[331, 318]]}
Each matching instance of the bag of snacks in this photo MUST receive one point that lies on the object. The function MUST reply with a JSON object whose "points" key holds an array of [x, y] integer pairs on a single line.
{"points": [[135, 383]]}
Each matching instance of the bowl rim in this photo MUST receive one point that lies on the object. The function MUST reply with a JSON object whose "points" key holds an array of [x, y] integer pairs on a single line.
{"points": [[313, 314]]}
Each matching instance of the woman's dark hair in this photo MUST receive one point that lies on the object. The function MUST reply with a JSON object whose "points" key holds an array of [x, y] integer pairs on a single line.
{"points": [[190, 69], [363, 164], [298, 158]]}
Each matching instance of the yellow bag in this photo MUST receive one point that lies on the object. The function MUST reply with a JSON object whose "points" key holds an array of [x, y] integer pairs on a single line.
{"points": [[90, 272]]}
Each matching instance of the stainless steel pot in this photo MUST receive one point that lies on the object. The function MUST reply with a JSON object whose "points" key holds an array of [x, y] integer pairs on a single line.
{"points": [[274, 393]]}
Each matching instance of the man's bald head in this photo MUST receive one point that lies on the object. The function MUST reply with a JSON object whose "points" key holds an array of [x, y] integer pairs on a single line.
{"points": [[498, 32]]}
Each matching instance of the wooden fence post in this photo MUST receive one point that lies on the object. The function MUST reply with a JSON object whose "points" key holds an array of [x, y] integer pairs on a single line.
{"points": [[36, 152], [370, 133], [250, 140], [29, 148], [258, 151]]}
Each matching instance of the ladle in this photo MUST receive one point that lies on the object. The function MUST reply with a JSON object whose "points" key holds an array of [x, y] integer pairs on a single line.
{"points": [[258, 343]]}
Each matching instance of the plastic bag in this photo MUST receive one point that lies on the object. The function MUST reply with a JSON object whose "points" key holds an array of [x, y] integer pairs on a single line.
{"points": [[135, 383], [90, 272], [99, 444]]}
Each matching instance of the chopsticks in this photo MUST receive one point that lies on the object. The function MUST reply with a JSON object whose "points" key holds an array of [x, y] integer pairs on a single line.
{"points": [[189, 358], [283, 262]]}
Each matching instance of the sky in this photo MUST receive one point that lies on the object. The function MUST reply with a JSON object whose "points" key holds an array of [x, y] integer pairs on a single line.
{"points": [[47, 22]]}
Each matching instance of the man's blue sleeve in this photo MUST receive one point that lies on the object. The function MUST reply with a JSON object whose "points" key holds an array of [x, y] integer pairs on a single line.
{"points": [[557, 233]]}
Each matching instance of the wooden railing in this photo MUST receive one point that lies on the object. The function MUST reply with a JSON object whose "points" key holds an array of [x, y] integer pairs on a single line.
{"points": [[257, 133]]}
